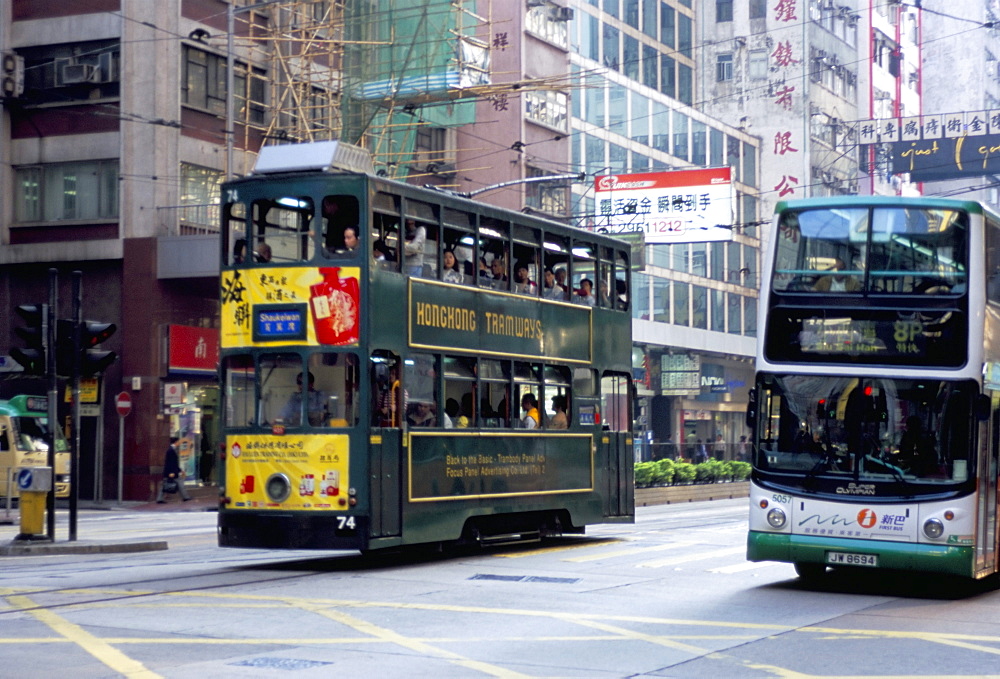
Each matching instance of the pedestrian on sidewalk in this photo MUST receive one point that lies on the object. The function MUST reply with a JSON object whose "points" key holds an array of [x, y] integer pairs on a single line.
{"points": [[172, 473]]}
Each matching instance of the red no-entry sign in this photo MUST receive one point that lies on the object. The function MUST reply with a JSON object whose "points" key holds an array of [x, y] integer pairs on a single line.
{"points": [[123, 404]]}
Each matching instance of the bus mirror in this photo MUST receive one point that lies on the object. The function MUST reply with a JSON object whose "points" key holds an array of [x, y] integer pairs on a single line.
{"points": [[751, 420], [983, 403]]}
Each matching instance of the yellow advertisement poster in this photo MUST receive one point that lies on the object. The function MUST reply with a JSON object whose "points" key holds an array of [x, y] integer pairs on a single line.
{"points": [[290, 305], [288, 472]]}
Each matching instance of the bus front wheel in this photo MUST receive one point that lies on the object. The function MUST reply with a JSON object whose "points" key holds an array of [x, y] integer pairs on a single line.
{"points": [[810, 571]]}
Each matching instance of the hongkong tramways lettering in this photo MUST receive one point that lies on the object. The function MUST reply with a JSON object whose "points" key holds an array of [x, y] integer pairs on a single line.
{"points": [[466, 320], [446, 317]]}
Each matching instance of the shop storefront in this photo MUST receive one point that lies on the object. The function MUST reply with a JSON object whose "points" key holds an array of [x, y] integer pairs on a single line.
{"points": [[190, 397]]}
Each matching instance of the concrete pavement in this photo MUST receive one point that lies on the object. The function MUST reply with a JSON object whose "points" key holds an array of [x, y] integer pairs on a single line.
{"points": [[203, 499]]}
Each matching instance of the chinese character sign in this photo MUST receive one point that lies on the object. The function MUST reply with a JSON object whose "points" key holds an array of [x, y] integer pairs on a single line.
{"points": [[686, 206]]}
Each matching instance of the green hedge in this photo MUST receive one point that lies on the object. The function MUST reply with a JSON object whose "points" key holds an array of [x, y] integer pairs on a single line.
{"points": [[671, 472]]}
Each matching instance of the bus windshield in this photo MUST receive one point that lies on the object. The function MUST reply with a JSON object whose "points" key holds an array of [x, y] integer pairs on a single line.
{"points": [[862, 435], [881, 250], [31, 434]]}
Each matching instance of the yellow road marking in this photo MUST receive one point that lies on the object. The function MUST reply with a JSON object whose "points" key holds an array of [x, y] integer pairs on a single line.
{"points": [[413, 644], [564, 548], [100, 649]]}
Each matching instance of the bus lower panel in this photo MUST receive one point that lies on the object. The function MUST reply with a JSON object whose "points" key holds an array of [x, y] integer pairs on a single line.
{"points": [[891, 555], [264, 530]]}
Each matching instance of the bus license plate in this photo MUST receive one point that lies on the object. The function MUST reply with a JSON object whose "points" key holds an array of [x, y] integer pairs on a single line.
{"points": [[851, 559]]}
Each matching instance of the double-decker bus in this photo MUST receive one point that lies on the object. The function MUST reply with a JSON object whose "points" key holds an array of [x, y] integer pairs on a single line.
{"points": [[402, 366], [24, 436], [876, 408]]}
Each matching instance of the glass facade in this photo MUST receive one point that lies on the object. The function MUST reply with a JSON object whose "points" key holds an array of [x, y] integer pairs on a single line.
{"points": [[699, 300]]}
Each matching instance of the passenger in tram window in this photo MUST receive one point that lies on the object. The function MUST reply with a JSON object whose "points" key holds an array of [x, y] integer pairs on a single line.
{"points": [[315, 404], [498, 273], [449, 268], [351, 241], [413, 248], [585, 294], [559, 420], [529, 404], [421, 414], [522, 281], [552, 289], [451, 411], [262, 255]]}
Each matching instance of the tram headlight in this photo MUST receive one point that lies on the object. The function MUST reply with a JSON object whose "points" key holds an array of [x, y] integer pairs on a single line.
{"points": [[933, 528], [776, 517], [278, 488]]}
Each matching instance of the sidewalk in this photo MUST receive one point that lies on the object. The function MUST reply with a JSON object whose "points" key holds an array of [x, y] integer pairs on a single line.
{"points": [[203, 499]]}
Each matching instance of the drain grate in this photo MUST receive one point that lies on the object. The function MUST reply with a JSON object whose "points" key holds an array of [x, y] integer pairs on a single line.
{"points": [[524, 578], [280, 663]]}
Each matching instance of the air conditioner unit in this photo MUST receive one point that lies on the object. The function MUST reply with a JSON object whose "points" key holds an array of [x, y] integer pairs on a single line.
{"points": [[562, 14], [11, 76], [74, 74], [536, 3]]}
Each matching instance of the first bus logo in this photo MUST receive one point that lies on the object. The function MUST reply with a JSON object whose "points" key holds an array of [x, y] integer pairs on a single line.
{"points": [[867, 518]]}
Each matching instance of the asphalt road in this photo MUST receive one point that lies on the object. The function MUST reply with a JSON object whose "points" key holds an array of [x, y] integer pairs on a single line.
{"points": [[670, 596]]}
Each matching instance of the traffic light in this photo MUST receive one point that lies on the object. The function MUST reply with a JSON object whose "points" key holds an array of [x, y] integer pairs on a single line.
{"points": [[91, 361], [32, 356]]}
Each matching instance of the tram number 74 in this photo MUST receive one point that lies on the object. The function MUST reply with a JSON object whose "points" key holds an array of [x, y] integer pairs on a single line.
{"points": [[345, 522]]}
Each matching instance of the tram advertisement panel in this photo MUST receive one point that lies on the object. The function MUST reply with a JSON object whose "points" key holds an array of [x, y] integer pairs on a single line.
{"points": [[461, 466], [313, 468], [311, 306], [445, 316]]}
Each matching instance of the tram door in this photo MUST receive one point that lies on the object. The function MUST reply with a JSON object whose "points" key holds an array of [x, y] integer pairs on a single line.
{"points": [[616, 440], [385, 446], [988, 468]]}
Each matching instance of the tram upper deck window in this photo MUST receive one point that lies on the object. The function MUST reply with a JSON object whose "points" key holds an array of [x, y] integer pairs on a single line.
{"points": [[420, 237], [341, 231], [234, 218], [282, 230], [527, 261], [584, 272], [494, 255], [384, 235], [459, 238], [883, 250], [556, 253]]}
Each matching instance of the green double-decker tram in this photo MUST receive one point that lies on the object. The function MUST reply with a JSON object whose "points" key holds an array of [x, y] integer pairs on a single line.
{"points": [[404, 366]]}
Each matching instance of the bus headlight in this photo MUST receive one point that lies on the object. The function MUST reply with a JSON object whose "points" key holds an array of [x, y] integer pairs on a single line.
{"points": [[776, 517], [278, 488], [933, 528]]}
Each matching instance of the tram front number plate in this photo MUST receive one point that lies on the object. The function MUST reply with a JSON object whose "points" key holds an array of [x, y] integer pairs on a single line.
{"points": [[851, 559]]}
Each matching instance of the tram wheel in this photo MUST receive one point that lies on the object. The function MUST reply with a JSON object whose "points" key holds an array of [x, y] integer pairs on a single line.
{"points": [[810, 571]]}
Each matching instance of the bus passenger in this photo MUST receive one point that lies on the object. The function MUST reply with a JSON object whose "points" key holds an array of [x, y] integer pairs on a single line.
{"points": [[529, 404], [315, 404], [449, 268], [835, 281], [382, 254], [413, 248]]}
